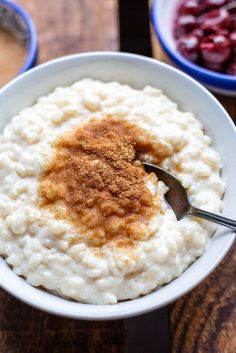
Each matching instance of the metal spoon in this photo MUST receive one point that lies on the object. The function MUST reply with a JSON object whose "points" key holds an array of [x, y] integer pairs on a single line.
{"points": [[178, 199]]}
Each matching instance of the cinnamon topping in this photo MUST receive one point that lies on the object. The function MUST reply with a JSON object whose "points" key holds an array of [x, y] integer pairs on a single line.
{"points": [[95, 182]]}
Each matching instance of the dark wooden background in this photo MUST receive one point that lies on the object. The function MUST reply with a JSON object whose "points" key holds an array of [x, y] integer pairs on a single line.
{"points": [[204, 321]]}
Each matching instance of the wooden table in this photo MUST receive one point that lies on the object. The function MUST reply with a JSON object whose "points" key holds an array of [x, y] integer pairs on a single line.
{"points": [[204, 321]]}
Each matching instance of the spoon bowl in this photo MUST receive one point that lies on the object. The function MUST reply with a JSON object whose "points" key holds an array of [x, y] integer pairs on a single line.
{"points": [[176, 196]]}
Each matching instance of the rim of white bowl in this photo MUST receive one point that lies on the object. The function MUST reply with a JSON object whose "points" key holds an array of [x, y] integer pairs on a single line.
{"points": [[55, 305]]}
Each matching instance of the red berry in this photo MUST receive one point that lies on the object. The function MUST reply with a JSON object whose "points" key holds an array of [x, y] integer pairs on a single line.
{"points": [[188, 46], [187, 23], [232, 38], [190, 7], [232, 68], [211, 4], [215, 49], [214, 19]]}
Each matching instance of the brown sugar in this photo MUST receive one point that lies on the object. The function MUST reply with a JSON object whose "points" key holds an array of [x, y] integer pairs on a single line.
{"points": [[97, 182], [12, 56]]}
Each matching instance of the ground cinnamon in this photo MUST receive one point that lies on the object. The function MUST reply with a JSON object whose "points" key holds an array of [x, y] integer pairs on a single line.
{"points": [[12, 56], [94, 181]]}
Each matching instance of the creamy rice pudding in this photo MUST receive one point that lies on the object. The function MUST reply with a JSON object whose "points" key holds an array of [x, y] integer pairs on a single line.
{"points": [[79, 216]]}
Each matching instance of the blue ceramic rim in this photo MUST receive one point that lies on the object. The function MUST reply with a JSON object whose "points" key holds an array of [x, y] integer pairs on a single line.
{"points": [[208, 77], [32, 49]]}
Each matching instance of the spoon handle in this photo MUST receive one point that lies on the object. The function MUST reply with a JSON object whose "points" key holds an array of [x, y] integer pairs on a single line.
{"points": [[230, 223]]}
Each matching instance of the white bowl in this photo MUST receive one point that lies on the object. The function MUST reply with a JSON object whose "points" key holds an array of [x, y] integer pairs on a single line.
{"points": [[136, 71]]}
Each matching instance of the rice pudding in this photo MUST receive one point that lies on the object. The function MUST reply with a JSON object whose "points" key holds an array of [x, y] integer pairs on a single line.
{"points": [[79, 216]]}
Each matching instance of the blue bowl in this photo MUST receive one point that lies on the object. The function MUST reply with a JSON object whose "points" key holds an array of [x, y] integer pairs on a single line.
{"points": [[14, 19], [162, 15]]}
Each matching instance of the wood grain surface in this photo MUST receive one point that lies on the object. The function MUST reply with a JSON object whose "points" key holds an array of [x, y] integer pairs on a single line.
{"points": [[203, 321], [73, 26]]}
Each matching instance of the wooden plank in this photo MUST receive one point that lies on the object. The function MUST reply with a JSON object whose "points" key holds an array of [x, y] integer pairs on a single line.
{"points": [[64, 27], [204, 321], [26, 330], [134, 27], [74, 26]]}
